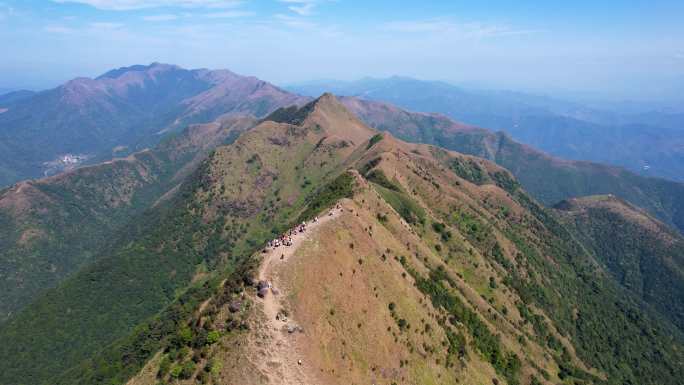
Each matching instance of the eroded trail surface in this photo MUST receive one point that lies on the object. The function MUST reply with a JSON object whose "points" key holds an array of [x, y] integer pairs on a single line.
{"points": [[282, 363]]}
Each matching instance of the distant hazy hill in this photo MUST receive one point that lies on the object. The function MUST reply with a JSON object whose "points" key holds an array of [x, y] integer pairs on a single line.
{"points": [[441, 269], [647, 143], [119, 112]]}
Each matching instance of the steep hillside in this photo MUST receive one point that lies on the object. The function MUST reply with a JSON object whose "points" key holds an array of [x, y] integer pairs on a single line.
{"points": [[120, 112], [643, 254], [546, 178], [52, 226], [435, 268]]}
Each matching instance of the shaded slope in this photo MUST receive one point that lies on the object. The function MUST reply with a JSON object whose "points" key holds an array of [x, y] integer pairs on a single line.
{"points": [[642, 253], [54, 225]]}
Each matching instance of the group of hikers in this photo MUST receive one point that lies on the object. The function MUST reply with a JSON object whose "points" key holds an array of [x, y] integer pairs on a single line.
{"points": [[286, 239]]}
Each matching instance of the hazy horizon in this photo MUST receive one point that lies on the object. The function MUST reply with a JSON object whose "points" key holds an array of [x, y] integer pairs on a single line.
{"points": [[611, 50]]}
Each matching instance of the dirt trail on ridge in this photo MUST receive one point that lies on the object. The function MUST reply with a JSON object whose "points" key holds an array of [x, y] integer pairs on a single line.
{"points": [[281, 364]]}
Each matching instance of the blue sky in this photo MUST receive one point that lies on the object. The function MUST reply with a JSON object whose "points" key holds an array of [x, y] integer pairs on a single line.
{"points": [[625, 48]]}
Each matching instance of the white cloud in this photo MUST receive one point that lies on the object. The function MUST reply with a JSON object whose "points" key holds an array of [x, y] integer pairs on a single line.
{"points": [[163, 17], [126, 5]]}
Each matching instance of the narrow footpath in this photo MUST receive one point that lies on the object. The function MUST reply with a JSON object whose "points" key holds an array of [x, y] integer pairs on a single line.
{"points": [[283, 364]]}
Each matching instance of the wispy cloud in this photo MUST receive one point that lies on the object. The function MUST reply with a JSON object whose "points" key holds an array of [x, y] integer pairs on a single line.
{"points": [[473, 30], [679, 55], [126, 5], [303, 7], [5, 11], [162, 17], [295, 22]]}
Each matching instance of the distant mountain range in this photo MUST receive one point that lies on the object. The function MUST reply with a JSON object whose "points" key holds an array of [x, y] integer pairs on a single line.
{"points": [[86, 121], [650, 143], [120, 112]]}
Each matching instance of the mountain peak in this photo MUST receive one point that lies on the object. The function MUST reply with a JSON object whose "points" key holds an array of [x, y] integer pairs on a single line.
{"points": [[152, 67], [327, 97], [325, 112], [297, 115], [328, 102]]}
